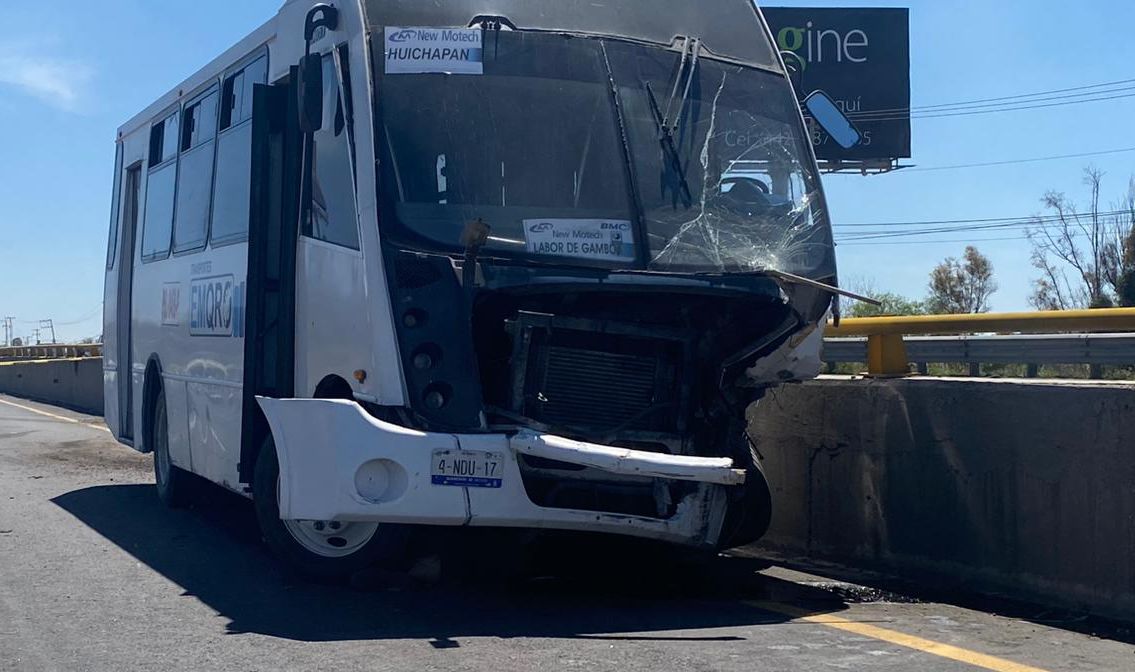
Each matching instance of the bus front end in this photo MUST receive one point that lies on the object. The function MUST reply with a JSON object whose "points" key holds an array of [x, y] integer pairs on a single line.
{"points": [[604, 237]]}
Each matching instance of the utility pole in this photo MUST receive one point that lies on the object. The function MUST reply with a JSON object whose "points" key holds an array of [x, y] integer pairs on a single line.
{"points": [[9, 330], [36, 335], [47, 324]]}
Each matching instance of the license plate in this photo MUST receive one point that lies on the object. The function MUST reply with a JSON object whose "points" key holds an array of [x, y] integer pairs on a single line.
{"points": [[467, 468]]}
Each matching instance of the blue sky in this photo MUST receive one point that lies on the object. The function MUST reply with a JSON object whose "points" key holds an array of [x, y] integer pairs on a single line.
{"points": [[72, 71]]}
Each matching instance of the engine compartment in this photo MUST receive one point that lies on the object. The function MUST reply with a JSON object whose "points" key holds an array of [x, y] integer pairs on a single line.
{"points": [[609, 365], [650, 362], [633, 369]]}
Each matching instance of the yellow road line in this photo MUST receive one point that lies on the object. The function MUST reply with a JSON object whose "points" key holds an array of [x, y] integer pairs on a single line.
{"points": [[63, 418], [900, 638]]}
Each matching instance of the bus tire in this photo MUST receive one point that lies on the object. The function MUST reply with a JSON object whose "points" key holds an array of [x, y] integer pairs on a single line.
{"points": [[172, 482], [750, 509], [323, 551]]}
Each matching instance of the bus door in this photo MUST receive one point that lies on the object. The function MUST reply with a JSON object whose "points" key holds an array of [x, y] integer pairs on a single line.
{"points": [[269, 345], [123, 320], [331, 299]]}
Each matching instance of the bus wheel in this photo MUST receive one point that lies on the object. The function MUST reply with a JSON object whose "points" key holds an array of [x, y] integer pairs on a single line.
{"points": [[320, 550], [172, 483], [750, 511]]}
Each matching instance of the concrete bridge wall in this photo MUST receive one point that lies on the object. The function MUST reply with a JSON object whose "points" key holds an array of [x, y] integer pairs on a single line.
{"points": [[74, 383], [1026, 488]]}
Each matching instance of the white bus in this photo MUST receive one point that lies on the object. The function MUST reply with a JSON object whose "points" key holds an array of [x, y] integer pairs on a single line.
{"points": [[511, 263]]}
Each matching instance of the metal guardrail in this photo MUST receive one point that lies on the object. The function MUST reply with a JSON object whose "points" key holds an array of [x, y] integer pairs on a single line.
{"points": [[50, 351], [1033, 350], [887, 350]]}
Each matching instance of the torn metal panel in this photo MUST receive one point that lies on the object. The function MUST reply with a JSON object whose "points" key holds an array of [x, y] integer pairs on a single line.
{"points": [[339, 463], [799, 358], [633, 462]]}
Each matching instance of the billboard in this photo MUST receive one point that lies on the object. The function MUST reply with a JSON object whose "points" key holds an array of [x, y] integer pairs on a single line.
{"points": [[851, 70]]}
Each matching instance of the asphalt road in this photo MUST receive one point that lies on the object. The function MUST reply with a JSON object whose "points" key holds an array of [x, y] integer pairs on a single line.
{"points": [[96, 575]]}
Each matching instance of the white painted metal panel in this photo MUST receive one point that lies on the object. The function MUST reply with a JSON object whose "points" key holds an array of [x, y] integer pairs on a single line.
{"points": [[331, 452]]}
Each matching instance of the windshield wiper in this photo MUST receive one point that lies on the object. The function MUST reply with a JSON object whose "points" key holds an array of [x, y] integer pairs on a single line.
{"points": [[666, 139], [691, 48]]}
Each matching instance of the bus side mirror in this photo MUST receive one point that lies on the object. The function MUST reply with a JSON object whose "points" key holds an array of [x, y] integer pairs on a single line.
{"points": [[310, 92]]}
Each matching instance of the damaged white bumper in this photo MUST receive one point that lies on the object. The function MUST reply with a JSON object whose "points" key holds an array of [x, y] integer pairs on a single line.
{"points": [[339, 463]]}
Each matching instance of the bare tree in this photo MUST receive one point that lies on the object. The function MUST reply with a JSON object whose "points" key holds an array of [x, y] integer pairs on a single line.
{"points": [[962, 286], [1122, 254], [1086, 258]]}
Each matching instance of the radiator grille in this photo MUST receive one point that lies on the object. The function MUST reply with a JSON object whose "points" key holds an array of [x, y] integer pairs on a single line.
{"points": [[597, 380], [600, 388]]}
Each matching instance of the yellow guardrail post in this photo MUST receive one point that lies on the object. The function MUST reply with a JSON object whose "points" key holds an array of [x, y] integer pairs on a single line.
{"points": [[886, 355], [886, 352]]}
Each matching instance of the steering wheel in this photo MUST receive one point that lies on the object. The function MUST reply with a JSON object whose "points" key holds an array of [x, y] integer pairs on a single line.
{"points": [[747, 196], [749, 182]]}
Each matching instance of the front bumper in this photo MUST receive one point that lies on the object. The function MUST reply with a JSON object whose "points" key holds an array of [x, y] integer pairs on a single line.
{"points": [[339, 463]]}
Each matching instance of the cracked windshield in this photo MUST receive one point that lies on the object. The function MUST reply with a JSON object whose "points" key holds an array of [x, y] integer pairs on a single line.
{"points": [[723, 188], [675, 173]]}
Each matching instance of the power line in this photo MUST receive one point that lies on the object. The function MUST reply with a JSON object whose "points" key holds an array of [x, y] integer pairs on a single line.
{"points": [[85, 318], [1016, 161], [961, 229], [1030, 95], [1036, 223], [1017, 97], [992, 228], [1024, 219], [1026, 107], [959, 107], [842, 242], [970, 241], [934, 222], [873, 235], [901, 117]]}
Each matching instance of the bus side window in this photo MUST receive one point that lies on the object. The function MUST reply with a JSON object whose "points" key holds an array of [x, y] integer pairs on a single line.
{"points": [[234, 153], [195, 175], [160, 185], [333, 186], [112, 243]]}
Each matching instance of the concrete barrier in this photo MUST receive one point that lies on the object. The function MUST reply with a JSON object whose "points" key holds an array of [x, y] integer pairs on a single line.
{"points": [[1026, 488], [74, 383]]}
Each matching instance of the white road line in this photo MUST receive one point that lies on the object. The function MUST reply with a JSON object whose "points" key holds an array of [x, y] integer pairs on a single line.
{"points": [[63, 418]]}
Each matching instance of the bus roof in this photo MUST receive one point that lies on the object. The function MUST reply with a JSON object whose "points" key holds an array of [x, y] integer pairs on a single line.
{"points": [[729, 28], [212, 70]]}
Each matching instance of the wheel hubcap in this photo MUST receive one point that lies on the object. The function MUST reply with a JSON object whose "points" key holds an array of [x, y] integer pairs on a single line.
{"points": [[330, 539]]}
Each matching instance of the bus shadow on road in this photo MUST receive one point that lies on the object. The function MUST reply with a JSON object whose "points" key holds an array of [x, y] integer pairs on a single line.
{"points": [[213, 552]]}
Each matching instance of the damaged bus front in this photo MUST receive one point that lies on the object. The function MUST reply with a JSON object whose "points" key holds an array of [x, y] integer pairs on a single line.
{"points": [[604, 236]]}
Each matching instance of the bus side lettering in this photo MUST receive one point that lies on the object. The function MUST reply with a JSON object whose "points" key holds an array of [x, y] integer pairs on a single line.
{"points": [[211, 306]]}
